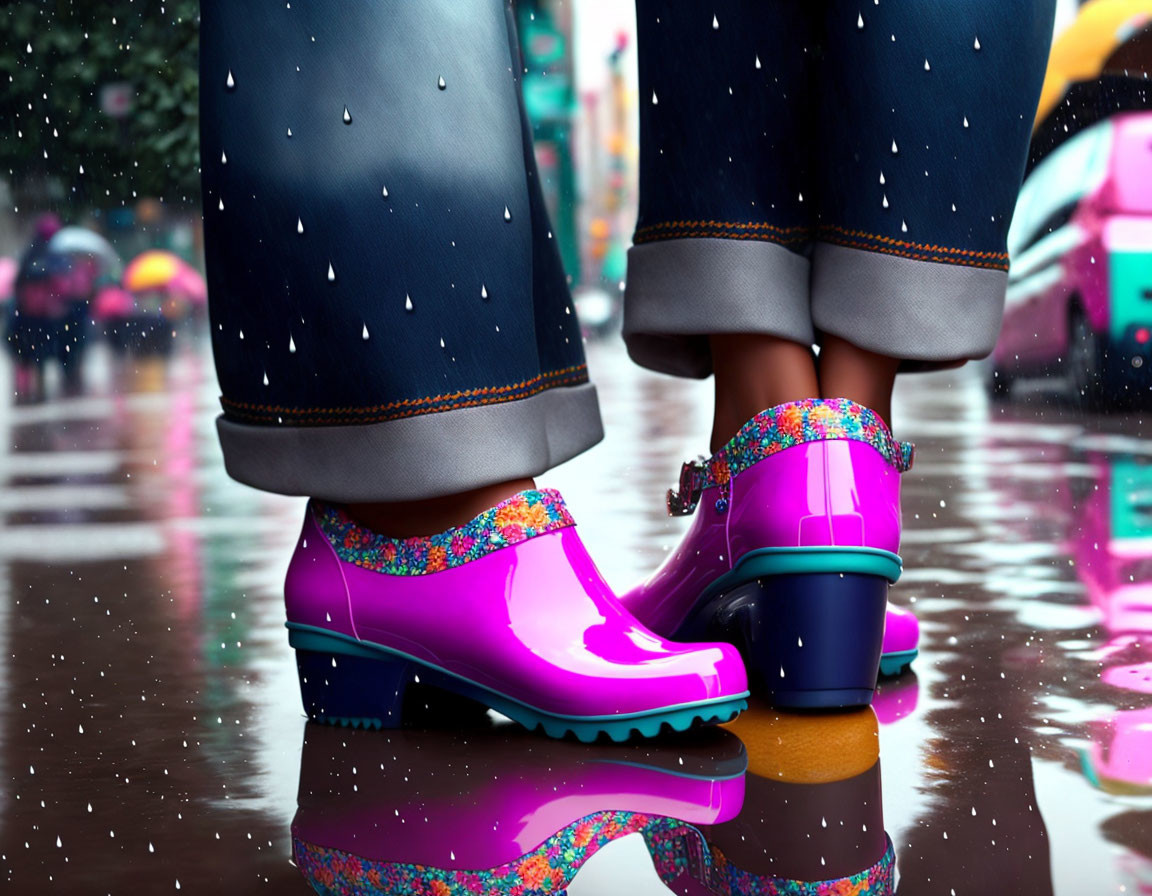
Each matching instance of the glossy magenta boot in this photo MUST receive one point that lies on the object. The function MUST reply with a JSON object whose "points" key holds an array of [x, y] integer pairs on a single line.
{"points": [[791, 553], [507, 610], [498, 811]]}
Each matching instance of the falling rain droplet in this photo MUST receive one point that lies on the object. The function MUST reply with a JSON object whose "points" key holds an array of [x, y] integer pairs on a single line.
{"points": [[331, 273], [758, 65], [927, 67], [483, 291], [347, 116], [221, 205], [291, 344], [507, 214], [230, 83], [440, 83], [965, 121], [800, 196], [364, 332], [442, 342], [904, 226], [265, 377], [953, 206], [384, 192], [860, 21], [882, 181], [715, 23], [976, 44], [299, 225], [241, 334], [407, 302], [894, 149], [289, 132], [223, 158], [81, 169], [655, 101], [884, 201]]}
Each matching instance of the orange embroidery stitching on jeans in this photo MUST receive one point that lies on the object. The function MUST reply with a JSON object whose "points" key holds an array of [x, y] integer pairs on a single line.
{"points": [[408, 407]]}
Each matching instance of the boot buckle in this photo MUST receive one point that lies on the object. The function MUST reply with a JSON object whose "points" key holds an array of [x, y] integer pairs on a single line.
{"points": [[683, 502]]}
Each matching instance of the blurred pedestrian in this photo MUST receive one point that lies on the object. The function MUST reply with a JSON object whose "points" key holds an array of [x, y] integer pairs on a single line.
{"points": [[394, 336]]}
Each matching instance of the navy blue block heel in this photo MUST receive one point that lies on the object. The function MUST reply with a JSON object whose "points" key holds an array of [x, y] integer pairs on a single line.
{"points": [[809, 641], [353, 690]]}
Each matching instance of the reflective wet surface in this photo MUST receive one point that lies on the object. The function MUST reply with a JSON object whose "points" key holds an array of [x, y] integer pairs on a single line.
{"points": [[151, 736]]}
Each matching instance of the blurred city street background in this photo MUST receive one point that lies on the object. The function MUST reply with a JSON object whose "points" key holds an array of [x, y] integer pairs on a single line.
{"points": [[151, 736]]}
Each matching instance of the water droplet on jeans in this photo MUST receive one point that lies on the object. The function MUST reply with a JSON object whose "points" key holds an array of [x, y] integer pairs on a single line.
{"points": [[655, 102], [976, 44], [860, 21], [483, 291], [882, 177], [441, 83], [904, 226], [265, 377], [230, 82], [291, 344], [347, 116], [758, 62], [965, 121], [299, 226], [507, 214], [407, 302], [884, 202], [715, 23], [223, 158], [894, 149], [331, 273], [384, 192], [364, 332], [221, 205], [927, 67]]}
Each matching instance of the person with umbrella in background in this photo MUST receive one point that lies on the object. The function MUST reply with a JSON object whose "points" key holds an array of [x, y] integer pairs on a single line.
{"points": [[39, 325]]}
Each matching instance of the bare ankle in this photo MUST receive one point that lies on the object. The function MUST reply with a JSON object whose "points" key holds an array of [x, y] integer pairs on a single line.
{"points": [[755, 371], [848, 371], [405, 519]]}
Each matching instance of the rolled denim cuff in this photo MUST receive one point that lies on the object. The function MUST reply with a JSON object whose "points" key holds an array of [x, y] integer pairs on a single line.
{"points": [[416, 457], [679, 291], [929, 314]]}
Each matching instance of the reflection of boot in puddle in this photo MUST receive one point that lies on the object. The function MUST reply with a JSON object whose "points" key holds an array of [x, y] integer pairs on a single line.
{"points": [[812, 822], [1119, 761], [497, 811]]}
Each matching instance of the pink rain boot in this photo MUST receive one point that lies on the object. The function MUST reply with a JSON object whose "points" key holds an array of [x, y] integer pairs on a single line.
{"points": [[791, 553], [507, 610], [498, 811]]}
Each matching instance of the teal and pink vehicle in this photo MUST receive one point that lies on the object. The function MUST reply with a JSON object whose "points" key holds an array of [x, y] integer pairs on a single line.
{"points": [[1079, 300]]}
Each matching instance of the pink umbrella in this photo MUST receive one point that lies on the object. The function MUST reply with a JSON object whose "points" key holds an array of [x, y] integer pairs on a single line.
{"points": [[188, 283], [113, 303], [8, 269]]}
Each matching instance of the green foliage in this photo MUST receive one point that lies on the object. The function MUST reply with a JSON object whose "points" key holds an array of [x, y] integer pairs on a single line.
{"points": [[51, 123]]}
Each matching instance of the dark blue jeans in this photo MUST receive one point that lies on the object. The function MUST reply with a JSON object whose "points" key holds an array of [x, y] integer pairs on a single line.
{"points": [[390, 318], [824, 167]]}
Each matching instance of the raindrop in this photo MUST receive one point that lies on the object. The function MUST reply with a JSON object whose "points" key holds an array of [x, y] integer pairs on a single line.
{"points": [[442, 342], [860, 21], [882, 181], [965, 121], [884, 201], [29, 49], [758, 62], [800, 196], [904, 226], [894, 149], [799, 642], [655, 102], [384, 192], [953, 206], [241, 334], [976, 44], [81, 727], [507, 214], [58, 841], [299, 225], [781, 671], [223, 158], [364, 332], [81, 169], [823, 822], [221, 205], [441, 83], [265, 377], [289, 132], [347, 116], [331, 273], [230, 83], [292, 349], [151, 848], [89, 807], [927, 67], [715, 23], [407, 302], [483, 291]]}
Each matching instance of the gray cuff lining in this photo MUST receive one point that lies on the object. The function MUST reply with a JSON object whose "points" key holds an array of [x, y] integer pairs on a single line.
{"points": [[679, 291], [416, 457], [926, 313]]}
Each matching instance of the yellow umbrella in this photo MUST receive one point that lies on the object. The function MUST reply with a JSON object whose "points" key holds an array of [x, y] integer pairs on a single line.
{"points": [[1109, 37], [154, 269]]}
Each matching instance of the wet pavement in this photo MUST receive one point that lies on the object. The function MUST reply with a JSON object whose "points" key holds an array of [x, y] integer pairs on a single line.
{"points": [[151, 737]]}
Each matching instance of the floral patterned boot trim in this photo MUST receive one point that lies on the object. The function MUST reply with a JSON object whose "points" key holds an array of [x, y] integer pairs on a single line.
{"points": [[546, 870], [785, 426], [874, 881], [517, 519]]}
